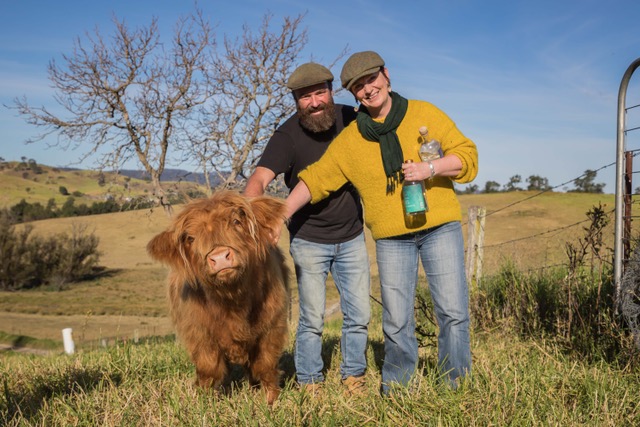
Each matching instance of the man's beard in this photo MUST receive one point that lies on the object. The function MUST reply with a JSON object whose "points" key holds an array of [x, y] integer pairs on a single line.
{"points": [[321, 123]]}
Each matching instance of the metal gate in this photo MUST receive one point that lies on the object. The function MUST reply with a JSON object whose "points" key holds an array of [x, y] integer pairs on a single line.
{"points": [[622, 243]]}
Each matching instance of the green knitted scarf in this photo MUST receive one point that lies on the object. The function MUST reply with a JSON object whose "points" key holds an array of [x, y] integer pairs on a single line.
{"points": [[385, 134]]}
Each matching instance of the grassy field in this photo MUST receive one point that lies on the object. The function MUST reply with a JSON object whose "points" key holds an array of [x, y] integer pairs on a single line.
{"points": [[21, 183], [515, 382], [130, 296], [143, 377]]}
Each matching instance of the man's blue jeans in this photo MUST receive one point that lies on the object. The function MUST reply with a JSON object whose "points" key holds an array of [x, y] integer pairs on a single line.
{"points": [[348, 263], [441, 250]]}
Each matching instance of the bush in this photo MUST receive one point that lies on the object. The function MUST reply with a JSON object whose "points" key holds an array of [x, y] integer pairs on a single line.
{"points": [[575, 311], [30, 261], [25, 212]]}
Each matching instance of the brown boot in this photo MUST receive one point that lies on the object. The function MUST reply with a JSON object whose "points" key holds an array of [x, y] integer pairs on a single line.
{"points": [[354, 386]]}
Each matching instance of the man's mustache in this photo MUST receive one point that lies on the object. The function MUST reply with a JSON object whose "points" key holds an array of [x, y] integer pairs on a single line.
{"points": [[311, 109]]}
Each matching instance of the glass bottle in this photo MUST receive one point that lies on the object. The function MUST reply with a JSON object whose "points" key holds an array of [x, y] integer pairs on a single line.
{"points": [[429, 149], [413, 200]]}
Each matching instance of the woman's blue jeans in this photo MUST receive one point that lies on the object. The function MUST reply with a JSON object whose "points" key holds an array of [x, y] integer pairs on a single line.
{"points": [[348, 263], [441, 250]]}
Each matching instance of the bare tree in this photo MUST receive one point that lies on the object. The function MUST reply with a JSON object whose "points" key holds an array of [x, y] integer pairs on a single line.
{"points": [[249, 77], [128, 96]]}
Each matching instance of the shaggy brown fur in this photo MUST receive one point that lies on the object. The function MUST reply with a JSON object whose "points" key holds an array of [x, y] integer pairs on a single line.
{"points": [[228, 289]]}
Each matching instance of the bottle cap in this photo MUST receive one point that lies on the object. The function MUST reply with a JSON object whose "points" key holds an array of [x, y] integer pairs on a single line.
{"points": [[423, 130]]}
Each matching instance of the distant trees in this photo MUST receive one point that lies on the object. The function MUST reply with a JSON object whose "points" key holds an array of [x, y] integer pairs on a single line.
{"points": [[537, 183], [512, 185], [25, 211], [491, 187], [583, 184], [24, 165], [469, 189]]}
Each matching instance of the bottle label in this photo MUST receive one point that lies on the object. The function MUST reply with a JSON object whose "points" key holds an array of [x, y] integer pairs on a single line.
{"points": [[414, 199]]}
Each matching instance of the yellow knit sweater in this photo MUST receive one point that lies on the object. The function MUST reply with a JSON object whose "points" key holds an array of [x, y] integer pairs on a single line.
{"points": [[352, 158]]}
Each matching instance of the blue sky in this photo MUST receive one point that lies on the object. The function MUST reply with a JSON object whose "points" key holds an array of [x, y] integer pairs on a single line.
{"points": [[533, 83]]}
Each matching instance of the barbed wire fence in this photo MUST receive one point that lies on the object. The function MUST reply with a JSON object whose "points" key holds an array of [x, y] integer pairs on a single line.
{"points": [[476, 227]]}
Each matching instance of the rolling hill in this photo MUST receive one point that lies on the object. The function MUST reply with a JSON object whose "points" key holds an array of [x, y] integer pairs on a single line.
{"points": [[529, 229], [39, 184]]}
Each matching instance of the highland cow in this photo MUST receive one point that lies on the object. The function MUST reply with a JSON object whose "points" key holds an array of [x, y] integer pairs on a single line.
{"points": [[228, 287]]}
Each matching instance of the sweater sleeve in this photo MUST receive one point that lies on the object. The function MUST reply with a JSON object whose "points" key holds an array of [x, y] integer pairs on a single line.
{"points": [[454, 142], [326, 175]]}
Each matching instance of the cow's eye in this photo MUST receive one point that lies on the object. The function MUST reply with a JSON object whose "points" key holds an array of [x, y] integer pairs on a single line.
{"points": [[237, 218], [189, 239]]}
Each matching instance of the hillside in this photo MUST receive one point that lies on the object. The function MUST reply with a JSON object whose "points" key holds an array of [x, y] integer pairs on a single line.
{"points": [[123, 235], [39, 183], [530, 230]]}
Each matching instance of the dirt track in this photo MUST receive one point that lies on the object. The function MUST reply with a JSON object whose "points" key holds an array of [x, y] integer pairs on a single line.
{"points": [[85, 328]]}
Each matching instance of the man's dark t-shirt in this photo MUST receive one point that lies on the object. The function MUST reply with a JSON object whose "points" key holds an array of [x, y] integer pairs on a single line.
{"points": [[336, 219]]}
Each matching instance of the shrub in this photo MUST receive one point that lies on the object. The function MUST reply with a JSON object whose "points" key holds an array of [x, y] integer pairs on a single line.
{"points": [[30, 261], [572, 305], [63, 190]]}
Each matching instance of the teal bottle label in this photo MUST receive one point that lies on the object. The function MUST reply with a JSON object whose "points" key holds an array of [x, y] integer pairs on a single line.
{"points": [[413, 199]]}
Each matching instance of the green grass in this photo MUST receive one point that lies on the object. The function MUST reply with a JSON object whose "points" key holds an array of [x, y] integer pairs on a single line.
{"points": [[514, 382], [518, 379]]}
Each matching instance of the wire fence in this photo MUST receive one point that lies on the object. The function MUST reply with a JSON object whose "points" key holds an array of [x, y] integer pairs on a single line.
{"points": [[545, 249], [541, 249]]}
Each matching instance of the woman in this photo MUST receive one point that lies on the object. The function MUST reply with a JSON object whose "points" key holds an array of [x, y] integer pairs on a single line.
{"points": [[369, 153]]}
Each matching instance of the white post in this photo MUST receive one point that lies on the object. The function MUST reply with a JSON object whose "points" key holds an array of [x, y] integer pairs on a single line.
{"points": [[69, 346]]}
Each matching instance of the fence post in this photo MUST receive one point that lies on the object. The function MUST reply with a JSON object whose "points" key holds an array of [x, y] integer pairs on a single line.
{"points": [[475, 242], [67, 340], [628, 191]]}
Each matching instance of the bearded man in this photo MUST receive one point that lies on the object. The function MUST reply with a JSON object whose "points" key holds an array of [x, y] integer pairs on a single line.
{"points": [[324, 237]]}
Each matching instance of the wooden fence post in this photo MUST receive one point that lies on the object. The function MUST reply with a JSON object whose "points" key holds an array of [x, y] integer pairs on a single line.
{"points": [[475, 242]]}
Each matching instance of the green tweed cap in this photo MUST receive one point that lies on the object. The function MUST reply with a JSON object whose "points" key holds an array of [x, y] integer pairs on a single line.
{"points": [[358, 65], [309, 74]]}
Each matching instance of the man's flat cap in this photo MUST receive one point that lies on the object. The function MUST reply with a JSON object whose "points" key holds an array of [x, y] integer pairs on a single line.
{"points": [[309, 74]]}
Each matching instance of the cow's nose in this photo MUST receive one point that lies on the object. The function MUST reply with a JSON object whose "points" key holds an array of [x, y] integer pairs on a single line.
{"points": [[220, 258]]}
